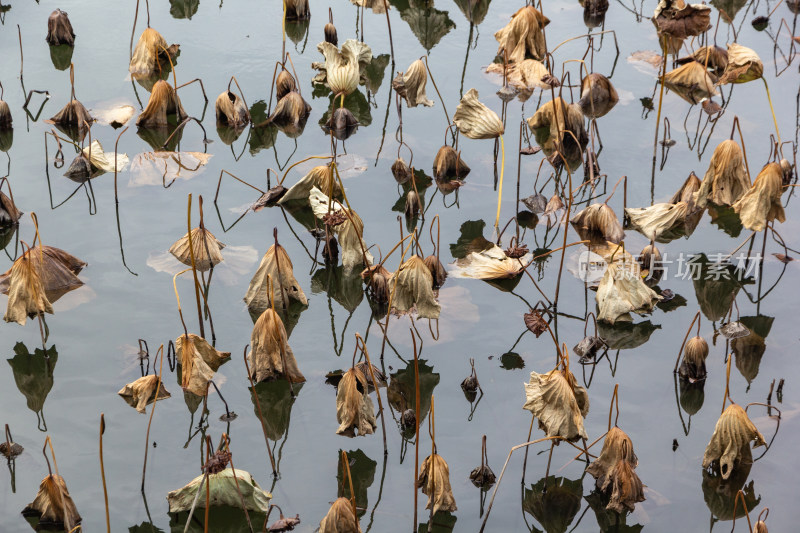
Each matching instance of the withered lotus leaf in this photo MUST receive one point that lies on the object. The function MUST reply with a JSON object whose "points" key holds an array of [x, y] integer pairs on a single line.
{"points": [[5, 116], [525, 75], [297, 9], [163, 101], [271, 357], [350, 232], [330, 34], [475, 120], [227, 487], [284, 523], [410, 85], [678, 19], [343, 68], [557, 123], [74, 114], [558, 403], [743, 65], [277, 267], [657, 219], [413, 204], [26, 294], [687, 191], [56, 269], [9, 214], [401, 171], [150, 47], [438, 272], [650, 260], [601, 219], [760, 527], [284, 84], [626, 488], [377, 278], [733, 433], [726, 179], [714, 58], [340, 518], [102, 162], [354, 409], [53, 505], [320, 177], [447, 164], [231, 110], [206, 248], [412, 288], [199, 361], [693, 366], [690, 81], [59, 29], [523, 36], [622, 291], [616, 446], [342, 123], [598, 95], [291, 112], [489, 264], [434, 479], [142, 392], [762, 202]]}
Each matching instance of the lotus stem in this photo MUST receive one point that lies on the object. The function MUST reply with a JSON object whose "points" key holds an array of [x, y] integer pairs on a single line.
{"points": [[152, 411], [194, 268], [614, 400], [740, 496], [178, 298], [103, 470], [727, 383], [236, 480], [416, 423], [389, 26], [377, 389], [500, 185], [772, 109], [346, 471], [280, 182], [428, 68], [194, 503], [660, 100]]}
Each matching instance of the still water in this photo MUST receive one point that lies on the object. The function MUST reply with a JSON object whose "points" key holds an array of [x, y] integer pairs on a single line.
{"points": [[128, 289]]}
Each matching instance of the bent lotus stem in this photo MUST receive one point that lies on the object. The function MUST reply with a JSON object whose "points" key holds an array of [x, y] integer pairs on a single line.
{"points": [[227, 440], [736, 125], [103, 470], [727, 396], [280, 182], [152, 411], [416, 420], [428, 68], [614, 401], [346, 472], [178, 298], [685, 337], [194, 268], [219, 183], [500, 183], [772, 109], [740, 496]]}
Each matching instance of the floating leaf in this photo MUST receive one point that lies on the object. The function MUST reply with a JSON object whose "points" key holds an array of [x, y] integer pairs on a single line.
{"points": [[225, 488]]}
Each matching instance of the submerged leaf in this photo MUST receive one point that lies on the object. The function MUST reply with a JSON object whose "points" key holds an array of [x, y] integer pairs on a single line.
{"points": [[224, 488], [434, 478]]}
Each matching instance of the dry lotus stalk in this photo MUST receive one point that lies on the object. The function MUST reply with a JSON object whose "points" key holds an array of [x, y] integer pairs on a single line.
{"points": [[447, 164], [678, 19], [731, 440], [743, 65], [601, 219], [231, 110], [657, 219], [53, 505], [59, 29], [199, 361], [412, 288], [149, 49], [598, 95], [713, 57], [349, 232], [691, 81], [354, 410], [271, 357], [523, 36], [163, 101], [693, 366], [320, 177], [5, 116], [277, 266], [206, 248], [225, 488], [556, 123], [558, 403], [490, 264], [297, 9], [291, 112], [142, 392], [26, 295], [73, 114], [9, 214], [340, 518], [434, 479], [284, 84], [525, 75], [343, 68], [762, 203], [726, 179], [621, 291], [475, 120], [411, 85]]}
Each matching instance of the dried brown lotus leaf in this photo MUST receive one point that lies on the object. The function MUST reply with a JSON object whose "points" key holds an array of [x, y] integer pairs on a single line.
{"points": [[199, 361], [743, 65], [412, 84], [598, 95], [687, 191], [56, 269], [349, 232], [649, 259], [320, 177], [5, 116], [412, 288], [523, 35], [600, 219], [330, 34], [559, 404], [626, 488], [413, 204], [9, 214], [340, 518], [489, 264], [59, 29], [434, 479], [680, 20], [26, 294], [475, 120], [690, 81], [726, 179], [99, 162], [693, 366], [524, 75], [354, 409], [277, 266], [762, 202], [712, 57], [622, 291], [164, 101], [401, 171], [437, 269], [557, 123], [206, 248], [616, 447], [733, 433], [290, 113], [53, 505], [74, 114], [150, 47], [377, 279], [284, 84], [297, 9], [343, 68], [657, 219], [271, 357], [447, 164], [231, 110], [142, 392], [760, 527]]}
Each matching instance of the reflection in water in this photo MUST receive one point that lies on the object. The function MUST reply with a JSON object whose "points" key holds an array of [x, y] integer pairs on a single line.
{"points": [[750, 349], [61, 56], [443, 522], [183, 9], [556, 506], [344, 287], [362, 469], [221, 519], [427, 23], [356, 102], [720, 494], [626, 335], [402, 393], [609, 521], [33, 374], [715, 285], [145, 527], [276, 401]]}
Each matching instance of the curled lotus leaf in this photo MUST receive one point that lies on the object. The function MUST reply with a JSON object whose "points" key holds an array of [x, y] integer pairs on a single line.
{"points": [[761, 204], [475, 120], [150, 48], [690, 81], [523, 36], [340, 518], [53, 504], [730, 442], [599, 219], [271, 356], [434, 479], [489, 264], [142, 392], [350, 232], [354, 409], [558, 403], [680, 20], [277, 267], [411, 287], [726, 179], [743, 65], [199, 361], [657, 219], [205, 249], [410, 85], [622, 291]]}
